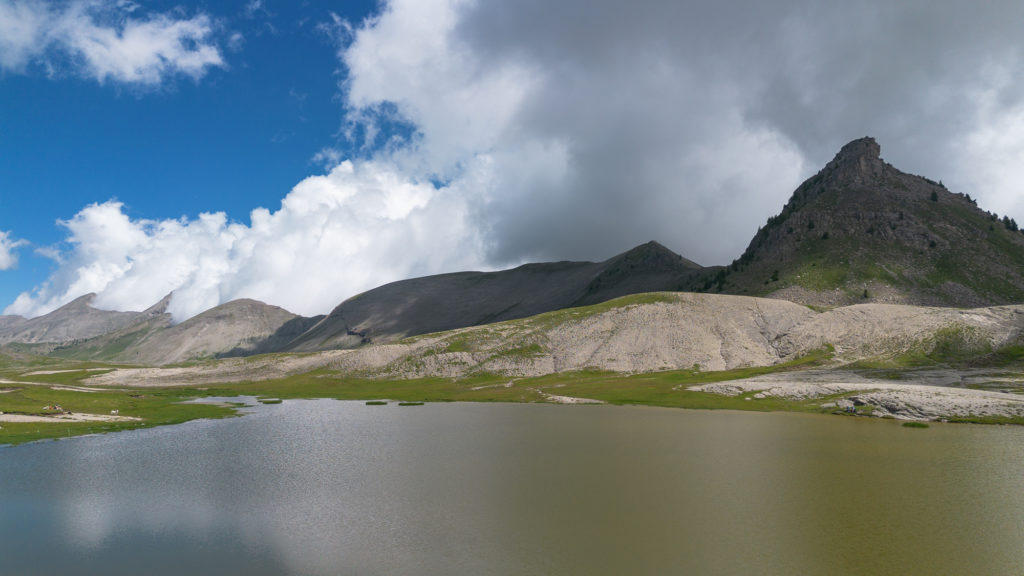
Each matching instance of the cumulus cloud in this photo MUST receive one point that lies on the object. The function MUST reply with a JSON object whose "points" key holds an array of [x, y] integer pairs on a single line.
{"points": [[104, 40], [575, 130], [335, 234], [8, 245]]}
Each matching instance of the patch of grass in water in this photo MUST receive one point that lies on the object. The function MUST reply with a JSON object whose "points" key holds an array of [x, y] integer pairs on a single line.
{"points": [[410, 403], [270, 400], [376, 403], [914, 424]]}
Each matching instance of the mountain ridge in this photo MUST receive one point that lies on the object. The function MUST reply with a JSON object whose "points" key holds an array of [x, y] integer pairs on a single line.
{"points": [[857, 231], [447, 301]]}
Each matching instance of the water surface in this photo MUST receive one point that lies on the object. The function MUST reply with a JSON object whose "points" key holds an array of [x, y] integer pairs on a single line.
{"points": [[328, 487]]}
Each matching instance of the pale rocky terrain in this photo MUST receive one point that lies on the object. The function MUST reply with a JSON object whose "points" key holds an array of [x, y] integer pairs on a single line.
{"points": [[929, 395], [235, 325], [668, 331]]}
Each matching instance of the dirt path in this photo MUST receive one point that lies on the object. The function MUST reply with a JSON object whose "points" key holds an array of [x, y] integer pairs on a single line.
{"points": [[75, 417]]}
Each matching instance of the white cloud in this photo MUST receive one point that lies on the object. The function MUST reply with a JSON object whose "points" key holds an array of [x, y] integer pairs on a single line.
{"points": [[104, 40], [8, 245], [22, 32], [574, 130], [334, 235]]}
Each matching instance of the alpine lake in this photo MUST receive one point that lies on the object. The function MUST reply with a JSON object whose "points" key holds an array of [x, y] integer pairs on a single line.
{"points": [[341, 487]]}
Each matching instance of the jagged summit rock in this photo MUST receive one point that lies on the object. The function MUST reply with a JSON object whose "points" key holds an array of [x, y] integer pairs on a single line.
{"points": [[160, 308], [858, 162]]}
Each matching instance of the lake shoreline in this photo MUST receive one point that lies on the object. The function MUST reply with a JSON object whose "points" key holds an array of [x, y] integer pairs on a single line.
{"points": [[931, 397]]}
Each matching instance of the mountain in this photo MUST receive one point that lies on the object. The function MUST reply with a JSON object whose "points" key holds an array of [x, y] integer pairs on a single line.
{"points": [[858, 231], [75, 320], [448, 301], [651, 332], [862, 230], [239, 327]]}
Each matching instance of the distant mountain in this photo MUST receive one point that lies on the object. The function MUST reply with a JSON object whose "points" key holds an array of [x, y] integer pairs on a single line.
{"points": [[239, 327], [405, 308], [861, 230], [75, 320], [448, 301]]}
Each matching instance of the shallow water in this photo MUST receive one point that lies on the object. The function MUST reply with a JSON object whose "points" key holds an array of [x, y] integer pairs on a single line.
{"points": [[328, 487]]}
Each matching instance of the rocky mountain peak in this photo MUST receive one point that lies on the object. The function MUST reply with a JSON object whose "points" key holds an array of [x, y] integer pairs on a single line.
{"points": [[861, 230], [858, 162], [653, 256], [160, 307], [80, 302]]}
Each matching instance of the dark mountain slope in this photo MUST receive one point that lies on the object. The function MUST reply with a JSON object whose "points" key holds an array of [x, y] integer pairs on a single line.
{"points": [[448, 301], [862, 229]]}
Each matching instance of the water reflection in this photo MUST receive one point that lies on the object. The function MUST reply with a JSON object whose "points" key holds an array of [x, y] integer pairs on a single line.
{"points": [[326, 487]]}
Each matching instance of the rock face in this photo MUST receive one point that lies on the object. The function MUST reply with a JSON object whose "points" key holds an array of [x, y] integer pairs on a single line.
{"points": [[861, 230], [448, 301]]}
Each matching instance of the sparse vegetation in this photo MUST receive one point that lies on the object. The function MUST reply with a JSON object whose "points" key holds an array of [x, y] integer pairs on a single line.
{"points": [[914, 424]]}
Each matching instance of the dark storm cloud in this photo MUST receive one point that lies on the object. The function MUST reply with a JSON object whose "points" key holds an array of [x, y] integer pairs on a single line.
{"points": [[691, 123]]}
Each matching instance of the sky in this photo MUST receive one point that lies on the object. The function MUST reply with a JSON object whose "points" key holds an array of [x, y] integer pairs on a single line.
{"points": [[300, 153]]}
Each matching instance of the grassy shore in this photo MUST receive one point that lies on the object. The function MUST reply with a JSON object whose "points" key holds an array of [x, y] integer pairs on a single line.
{"points": [[155, 407], [28, 394]]}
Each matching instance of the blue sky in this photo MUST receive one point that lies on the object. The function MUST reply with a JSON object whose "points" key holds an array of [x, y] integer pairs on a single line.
{"points": [[302, 152], [237, 138]]}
